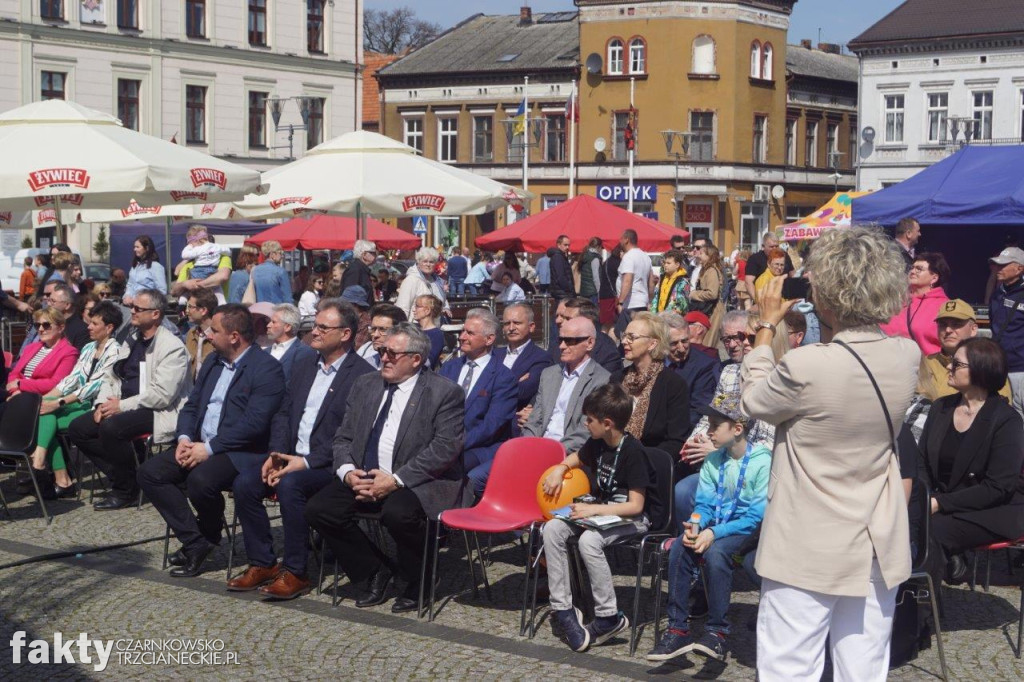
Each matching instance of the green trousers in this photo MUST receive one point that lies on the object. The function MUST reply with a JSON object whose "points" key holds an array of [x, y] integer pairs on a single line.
{"points": [[50, 424]]}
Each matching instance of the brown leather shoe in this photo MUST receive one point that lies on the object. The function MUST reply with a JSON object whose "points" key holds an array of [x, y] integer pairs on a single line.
{"points": [[287, 585], [253, 577]]}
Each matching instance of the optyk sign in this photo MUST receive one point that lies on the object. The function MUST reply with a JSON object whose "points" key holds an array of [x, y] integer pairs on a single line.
{"points": [[645, 191]]}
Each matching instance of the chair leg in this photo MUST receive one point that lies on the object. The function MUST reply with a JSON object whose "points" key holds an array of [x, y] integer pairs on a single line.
{"points": [[483, 565], [39, 494], [988, 569], [656, 581], [634, 625], [938, 626], [435, 553], [231, 539], [527, 573], [472, 567], [167, 546], [533, 596], [321, 562], [1020, 622], [3, 503], [334, 587], [974, 570]]}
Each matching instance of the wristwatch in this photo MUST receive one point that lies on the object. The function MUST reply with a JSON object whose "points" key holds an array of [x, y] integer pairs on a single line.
{"points": [[764, 325], [61, 402]]}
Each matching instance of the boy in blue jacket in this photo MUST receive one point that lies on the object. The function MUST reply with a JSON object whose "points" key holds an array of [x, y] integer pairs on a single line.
{"points": [[731, 498]]}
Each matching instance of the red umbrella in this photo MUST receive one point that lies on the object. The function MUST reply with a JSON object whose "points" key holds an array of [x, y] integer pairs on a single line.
{"points": [[580, 218], [333, 232]]}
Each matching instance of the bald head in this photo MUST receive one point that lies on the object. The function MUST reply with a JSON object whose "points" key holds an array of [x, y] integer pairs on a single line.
{"points": [[579, 326], [576, 339]]}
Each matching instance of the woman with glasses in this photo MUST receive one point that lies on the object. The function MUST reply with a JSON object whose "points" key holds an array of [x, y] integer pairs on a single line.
{"points": [[706, 293], [427, 314], [312, 295], [74, 396], [916, 321], [421, 281], [776, 268], [972, 452], [146, 271], [661, 398]]}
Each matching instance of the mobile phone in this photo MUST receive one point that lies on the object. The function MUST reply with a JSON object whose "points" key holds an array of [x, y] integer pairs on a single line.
{"points": [[584, 499], [796, 288]]}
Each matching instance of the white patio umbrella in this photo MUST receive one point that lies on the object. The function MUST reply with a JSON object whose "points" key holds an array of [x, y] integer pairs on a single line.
{"points": [[63, 154], [363, 173]]}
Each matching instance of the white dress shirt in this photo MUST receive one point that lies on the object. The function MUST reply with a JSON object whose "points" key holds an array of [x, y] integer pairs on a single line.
{"points": [[366, 352], [512, 354], [317, 394], [481, 363], [556, 425], [388, 436], [278, 350]]}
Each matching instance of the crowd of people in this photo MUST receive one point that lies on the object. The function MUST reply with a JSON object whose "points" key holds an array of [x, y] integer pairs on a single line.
{"points": [[796, 426]]}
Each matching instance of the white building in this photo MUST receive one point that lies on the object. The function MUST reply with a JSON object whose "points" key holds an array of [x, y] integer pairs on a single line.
{"points": [[934, 75], [203, 73]]}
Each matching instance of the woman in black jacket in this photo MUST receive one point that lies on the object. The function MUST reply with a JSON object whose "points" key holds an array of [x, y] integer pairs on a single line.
{"points": [[972, 450], [661, 398]]}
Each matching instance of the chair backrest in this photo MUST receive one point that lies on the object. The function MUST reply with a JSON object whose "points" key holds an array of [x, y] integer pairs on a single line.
{"points": [[8, 359], [661, 466], [921, 496], [518, 466], [19, 424]]}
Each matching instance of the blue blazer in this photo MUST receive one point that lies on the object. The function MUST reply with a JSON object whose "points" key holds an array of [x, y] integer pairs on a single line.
{"points": [[285, 432], [253, 398], [297, 351], [532, 360], [701, 374], [491, 409]]}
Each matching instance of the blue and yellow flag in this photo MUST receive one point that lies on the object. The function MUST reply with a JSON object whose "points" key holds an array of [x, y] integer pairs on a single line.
{"points": [[520, 126]]}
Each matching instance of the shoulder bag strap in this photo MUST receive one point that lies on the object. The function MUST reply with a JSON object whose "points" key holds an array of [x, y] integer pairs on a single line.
{"points": [[878, 391]]}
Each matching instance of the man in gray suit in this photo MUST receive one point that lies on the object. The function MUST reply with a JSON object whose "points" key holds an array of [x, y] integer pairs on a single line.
{"points": [[557, 410], [397, 452]]}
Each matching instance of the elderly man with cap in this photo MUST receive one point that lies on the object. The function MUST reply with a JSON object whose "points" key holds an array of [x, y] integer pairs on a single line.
{"points": [[1006, 312], [956, 322], [699, 325], [357, 297], [698, 370]]}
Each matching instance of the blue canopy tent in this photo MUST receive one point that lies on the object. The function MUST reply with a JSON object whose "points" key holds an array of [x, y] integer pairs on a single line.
{"points": [[969, 205], [123, 236]]}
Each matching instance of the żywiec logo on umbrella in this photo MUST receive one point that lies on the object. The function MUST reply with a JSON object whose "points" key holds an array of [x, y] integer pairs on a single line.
{"points": [[135, 209], [513, 199], [208, 177], [73, 199], [58, 177], [6, 217], [284, 201], [430, 202], [180, 196]]}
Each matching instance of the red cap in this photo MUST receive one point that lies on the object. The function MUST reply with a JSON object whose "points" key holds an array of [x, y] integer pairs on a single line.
{"points": [[697, 316]]}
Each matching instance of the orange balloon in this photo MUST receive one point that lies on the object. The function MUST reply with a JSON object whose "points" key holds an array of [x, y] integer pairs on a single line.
{"points": [[574, 484]]}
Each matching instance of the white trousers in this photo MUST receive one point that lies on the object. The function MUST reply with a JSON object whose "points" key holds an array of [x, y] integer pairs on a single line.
{"points": [[792, 625]]}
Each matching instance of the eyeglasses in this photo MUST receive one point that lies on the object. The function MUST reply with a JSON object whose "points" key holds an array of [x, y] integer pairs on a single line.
{"points": [[680, 342], [104, 294], [955, 365], [323, 328], [318, 281], [393, 354], [572, 340], [140, 309], [189, 306], [43, 326], [428, 262], [630, 338], [739, 338]]}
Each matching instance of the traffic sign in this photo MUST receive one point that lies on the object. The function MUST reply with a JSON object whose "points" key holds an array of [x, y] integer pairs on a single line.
{"points": [[419, 225]]}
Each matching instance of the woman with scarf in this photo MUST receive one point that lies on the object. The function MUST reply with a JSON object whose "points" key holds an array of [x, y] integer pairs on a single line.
{"points": [[661, 398], [421, 281], [673, 292]]}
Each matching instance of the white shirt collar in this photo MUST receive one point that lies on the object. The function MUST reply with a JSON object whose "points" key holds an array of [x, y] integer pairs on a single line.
{"points": [[516, 351], [576, 372], [284, 345]]}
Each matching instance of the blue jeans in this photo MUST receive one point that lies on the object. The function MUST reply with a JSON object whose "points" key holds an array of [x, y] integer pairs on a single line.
{"points": [[718, 568], [686, 498], [292, 492], [456, 286]]}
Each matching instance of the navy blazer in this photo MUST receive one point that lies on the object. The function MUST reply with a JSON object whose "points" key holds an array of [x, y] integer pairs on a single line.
{"points": [[491, 409], [530, 362], [701, 374], [285, 432], [296, 351], [253, 397]]}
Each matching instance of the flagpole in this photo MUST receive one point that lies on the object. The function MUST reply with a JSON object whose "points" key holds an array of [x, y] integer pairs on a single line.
{"points": [[526, 132], [572, 140], [632, 152]]}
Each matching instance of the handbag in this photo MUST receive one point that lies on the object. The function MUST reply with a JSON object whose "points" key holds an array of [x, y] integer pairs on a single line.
{"points": [[249, 297]]}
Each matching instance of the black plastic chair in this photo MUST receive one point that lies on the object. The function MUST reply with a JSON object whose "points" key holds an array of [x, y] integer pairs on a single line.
{"points": [[19, 428], [376, 530], [233, 533]]}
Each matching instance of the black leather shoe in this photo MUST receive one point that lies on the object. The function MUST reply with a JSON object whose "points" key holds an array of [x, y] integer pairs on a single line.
{"points": [[114, 502], [177, 559], [194, 564], [376, 589], [405, 604]]}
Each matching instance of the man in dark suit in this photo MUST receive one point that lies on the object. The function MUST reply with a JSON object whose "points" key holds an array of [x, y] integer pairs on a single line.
{"points": [[699, 371], [300, 455], [562, 283], [223, 429], [491, 393], [605, 352], [522, 356], [397, 453], [364, 253], [283, 333]]}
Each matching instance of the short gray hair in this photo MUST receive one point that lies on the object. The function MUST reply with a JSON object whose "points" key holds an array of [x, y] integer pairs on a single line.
{"points": [[858, 275], [673, 320], [487, 319], [427, 253], [419, 343], [530, 316], [362, 246], [736, 317], [156, 299], [270, 247], [289, 315]]}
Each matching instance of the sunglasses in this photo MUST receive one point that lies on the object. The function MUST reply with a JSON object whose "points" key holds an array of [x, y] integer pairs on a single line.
{"points": [[43, 326], [572, 340], [140, 309], [393, 354], [104, 294], [739, 338]]}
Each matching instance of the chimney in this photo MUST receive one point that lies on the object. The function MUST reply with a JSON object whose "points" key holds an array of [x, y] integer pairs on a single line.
{"points": [[806, 44], [525, 15], [830, 48]]}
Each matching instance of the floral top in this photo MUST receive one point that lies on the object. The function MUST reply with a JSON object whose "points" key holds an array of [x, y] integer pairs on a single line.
{"points": [[88, 374], [673, 294]]}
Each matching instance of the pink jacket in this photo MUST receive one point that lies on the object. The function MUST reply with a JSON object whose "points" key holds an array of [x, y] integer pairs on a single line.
{"points": [[917, 321], [57, 365]]}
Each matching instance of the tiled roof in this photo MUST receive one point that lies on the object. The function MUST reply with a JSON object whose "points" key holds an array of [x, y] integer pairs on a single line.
{"points": [[811, 63], [496, 44], [929, 19], [372, 62]]}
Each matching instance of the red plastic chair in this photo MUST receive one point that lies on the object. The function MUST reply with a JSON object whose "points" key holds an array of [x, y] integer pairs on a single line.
{"points": [[8, 359], [509, 503], [1009, 545]]}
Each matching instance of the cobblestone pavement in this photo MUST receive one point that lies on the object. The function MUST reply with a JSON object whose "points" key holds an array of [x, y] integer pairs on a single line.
{"points": [[121, 594]]}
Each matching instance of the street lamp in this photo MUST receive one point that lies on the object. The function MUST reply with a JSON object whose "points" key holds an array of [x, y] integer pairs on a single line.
{"points": [[670, 137], [833, 163], [276, 105]]}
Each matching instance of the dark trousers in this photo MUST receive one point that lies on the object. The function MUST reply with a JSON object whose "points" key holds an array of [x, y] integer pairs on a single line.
{"points": [[162, 479], [292, 493], [109, 445], [950, 536], [332, 512]]}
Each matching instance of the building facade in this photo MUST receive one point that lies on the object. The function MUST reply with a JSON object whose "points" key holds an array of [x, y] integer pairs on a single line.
{"points": [[201, 73], [934, 77]]}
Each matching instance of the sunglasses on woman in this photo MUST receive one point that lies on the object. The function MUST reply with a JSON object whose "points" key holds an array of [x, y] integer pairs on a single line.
{"points": [[43, 326]]}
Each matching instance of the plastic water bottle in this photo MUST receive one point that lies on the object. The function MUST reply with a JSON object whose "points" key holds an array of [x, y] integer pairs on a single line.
{"points": [[695, 525]]}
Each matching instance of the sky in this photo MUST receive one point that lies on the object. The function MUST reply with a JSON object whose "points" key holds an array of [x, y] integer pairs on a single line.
{"points": [[839, 20]]}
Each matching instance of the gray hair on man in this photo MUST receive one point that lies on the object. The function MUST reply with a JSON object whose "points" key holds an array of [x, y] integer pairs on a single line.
{"points": [[738, 317], [673, 320], [427, 253], [487, 319], [530, 316], [363, 246], [419, 343], [290, 315]]}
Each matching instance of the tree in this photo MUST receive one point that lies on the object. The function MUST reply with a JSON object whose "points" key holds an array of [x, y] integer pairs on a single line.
{"points": [[26, 243], [101, 246], [396, 31]]}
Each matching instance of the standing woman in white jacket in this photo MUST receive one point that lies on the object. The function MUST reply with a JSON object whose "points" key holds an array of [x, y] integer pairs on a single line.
{"points": [[421, 281]]}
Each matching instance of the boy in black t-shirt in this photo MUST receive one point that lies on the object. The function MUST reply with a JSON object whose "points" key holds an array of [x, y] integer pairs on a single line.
{"points": [[619, 480]]}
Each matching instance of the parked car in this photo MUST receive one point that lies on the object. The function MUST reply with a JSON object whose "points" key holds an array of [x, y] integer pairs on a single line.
{"points": [[97, 272]]}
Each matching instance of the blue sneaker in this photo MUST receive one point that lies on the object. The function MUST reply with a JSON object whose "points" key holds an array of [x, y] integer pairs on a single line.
{"points": [[573, 633], [712, 645], [604, 628], [673, 643]]}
